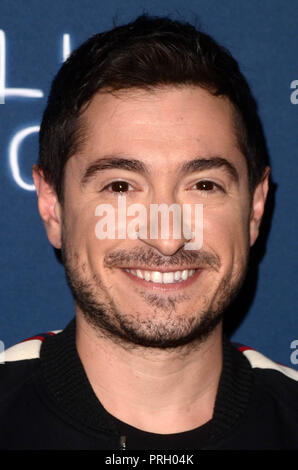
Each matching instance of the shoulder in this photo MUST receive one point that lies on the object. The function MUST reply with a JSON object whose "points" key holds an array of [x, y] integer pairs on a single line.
{"points": [[272, 380], [19, 363], [26, 349], [258, 360]]}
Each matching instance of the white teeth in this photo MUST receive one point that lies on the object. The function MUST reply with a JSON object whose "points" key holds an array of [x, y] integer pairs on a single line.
{"points": [[156, 276], [168, 278], [139, 274], [162, 278]]}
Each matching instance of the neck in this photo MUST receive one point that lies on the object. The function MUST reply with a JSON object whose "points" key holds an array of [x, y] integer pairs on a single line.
{"points": [[154, 390]]}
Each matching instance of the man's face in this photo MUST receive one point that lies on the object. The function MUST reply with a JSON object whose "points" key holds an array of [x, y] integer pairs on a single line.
{"points": [[160, 133]]}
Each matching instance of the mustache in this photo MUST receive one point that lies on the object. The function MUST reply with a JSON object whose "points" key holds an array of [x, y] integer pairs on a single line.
{"points": [[150, 258]]}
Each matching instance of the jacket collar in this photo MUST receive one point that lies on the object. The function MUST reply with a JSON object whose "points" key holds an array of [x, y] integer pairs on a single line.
{"points": [[67, 382]]}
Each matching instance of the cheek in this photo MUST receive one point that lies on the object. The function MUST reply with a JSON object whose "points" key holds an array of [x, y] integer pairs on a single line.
{"points": [[80, 224], [226, 231]]}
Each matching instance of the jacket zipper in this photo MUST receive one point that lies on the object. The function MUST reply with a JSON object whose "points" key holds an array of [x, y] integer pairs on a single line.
{"points": [[122, 442]]}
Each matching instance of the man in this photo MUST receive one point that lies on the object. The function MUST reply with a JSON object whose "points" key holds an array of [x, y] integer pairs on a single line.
{"points": [[153, 112]]}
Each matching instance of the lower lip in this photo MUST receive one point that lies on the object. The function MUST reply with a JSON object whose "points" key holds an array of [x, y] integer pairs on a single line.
{"points": [[164, 287]]}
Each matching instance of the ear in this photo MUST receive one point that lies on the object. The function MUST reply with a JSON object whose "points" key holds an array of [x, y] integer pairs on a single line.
{"points": [[258, 205], [49, 207]]}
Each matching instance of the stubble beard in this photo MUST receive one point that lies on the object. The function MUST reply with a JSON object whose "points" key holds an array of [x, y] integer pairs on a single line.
{"points": [[164, 328]]}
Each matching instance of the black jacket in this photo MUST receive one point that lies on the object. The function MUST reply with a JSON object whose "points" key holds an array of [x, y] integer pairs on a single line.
{"points": [[46, 402]]}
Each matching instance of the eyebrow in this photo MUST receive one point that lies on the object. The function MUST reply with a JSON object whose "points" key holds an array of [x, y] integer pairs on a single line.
{"points": [[200, 164], [110, 163], [134, 165]]}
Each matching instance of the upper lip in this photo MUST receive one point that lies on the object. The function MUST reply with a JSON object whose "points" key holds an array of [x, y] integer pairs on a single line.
{"points": [[161, 269]]}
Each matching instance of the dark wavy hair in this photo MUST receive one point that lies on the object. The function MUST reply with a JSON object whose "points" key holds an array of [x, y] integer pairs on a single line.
{"points": [[147, 53]]}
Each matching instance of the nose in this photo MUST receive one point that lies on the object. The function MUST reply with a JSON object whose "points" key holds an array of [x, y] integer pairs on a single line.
{"points": [[165, 231], [165, 247]]}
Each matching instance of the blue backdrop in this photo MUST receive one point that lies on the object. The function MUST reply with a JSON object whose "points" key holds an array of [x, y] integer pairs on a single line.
{"points": [[35, 37]]}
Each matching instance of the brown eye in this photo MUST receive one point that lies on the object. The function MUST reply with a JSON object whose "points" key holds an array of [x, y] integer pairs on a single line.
{"points": [[119, 186], [205, 186]]}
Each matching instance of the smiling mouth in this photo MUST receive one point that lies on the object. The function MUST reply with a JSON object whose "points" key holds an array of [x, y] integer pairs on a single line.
{"points": [[158, 277]]}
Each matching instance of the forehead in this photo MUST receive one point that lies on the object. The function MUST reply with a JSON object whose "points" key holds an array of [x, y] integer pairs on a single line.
{"points": [[163, 127]]}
